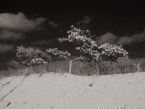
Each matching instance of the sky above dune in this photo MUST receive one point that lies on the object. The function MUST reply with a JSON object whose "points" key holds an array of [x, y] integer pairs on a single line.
{"points": [[40, 23]]}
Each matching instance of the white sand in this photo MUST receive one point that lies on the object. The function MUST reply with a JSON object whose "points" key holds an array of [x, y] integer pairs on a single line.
{"points": [[55, 91]]}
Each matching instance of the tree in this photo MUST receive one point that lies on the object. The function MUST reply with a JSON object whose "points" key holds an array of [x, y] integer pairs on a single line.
{"points": [[85, 44], [88, 48]]}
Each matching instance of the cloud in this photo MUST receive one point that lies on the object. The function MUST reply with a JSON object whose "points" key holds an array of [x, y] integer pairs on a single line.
{"points": [[6, 35], [84, 23], [106, 38], [123, 40], [85, 20], [53, 24], [16, 27], [19, 22], [136, 38], [6, 48]]}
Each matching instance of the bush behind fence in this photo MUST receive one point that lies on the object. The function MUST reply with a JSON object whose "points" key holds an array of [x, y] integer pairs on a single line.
{"points": [[82, 68]]}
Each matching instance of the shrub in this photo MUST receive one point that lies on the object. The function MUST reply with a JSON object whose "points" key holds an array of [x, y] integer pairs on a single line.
{"points": [[30, 56], [14, 65], [57, 54], [112, 51], [27, 56], [38, 61]]}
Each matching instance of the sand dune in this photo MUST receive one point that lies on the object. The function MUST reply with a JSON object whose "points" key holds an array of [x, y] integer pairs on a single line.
{"points": [[66, 91]]}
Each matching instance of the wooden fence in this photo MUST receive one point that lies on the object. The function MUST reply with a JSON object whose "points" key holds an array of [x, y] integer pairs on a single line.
{"points": [[86, 68]]}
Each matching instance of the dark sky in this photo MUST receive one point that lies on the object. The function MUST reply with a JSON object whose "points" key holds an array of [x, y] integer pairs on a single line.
{"points": [[40, 23]]}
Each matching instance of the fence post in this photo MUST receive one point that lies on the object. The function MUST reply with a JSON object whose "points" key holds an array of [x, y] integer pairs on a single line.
{"points": [[138, 67], [70, 67]]}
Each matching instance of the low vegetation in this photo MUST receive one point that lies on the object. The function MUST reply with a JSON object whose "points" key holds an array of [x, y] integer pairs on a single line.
{"points": [[93, 59]]}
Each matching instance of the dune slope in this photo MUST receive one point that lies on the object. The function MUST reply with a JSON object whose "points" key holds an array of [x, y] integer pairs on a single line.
{"points": [[56, 91]]}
